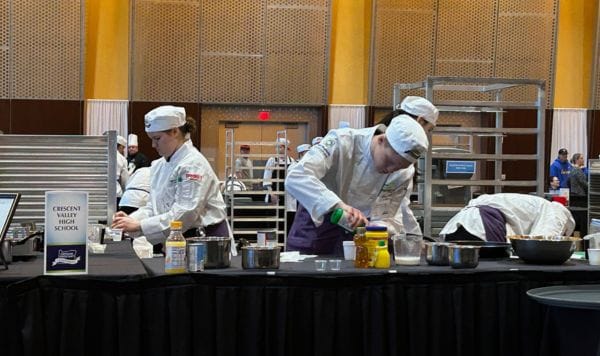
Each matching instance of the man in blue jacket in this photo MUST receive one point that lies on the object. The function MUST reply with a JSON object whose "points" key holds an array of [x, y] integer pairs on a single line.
{"points": [[561, 168]]}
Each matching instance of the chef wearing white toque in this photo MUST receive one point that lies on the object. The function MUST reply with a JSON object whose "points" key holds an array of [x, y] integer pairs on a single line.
{"points": [[135, 158], [183, 185], [302, 149], [351, 169], [122, 173], [426, 114]]}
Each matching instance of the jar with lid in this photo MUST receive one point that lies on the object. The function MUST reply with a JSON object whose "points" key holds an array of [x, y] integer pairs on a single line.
{"points": [[362, 258], [340, 218]]}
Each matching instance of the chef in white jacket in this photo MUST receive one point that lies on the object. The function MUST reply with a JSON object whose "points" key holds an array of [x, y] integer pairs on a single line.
{"points": [[122, 172], [137, 191], [351, 169], [183, 184], [492, 217], [426, 114]]}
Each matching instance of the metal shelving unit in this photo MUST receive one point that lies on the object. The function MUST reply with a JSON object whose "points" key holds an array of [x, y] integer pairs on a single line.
{"points": [[593, 190], [477, 96], [247, 210]]}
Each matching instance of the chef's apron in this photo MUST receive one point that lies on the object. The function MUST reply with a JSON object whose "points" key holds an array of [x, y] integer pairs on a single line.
{"points": [[307, 238], [219, 230]]}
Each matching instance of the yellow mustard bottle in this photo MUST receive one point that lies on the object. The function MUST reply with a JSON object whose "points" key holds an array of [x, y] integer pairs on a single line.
{"points": [[382, 259]]}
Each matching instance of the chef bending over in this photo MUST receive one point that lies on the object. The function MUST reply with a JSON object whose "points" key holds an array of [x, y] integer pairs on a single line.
{"points": [[352, 169], [492, 217]]}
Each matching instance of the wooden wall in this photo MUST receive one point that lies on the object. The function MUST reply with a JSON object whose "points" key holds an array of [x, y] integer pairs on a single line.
{"points": [[41, 117]]}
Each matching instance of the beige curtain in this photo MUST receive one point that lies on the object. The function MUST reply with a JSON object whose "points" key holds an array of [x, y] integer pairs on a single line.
{"points": [[347, 115], [569, 130], [105, 115]]}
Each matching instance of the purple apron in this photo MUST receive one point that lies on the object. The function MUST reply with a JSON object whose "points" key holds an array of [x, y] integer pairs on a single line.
{"points": [[494, 223], [307, 238]]}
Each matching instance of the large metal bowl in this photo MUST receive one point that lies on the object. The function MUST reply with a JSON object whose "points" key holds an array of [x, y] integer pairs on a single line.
{"points": [[543, 250]]}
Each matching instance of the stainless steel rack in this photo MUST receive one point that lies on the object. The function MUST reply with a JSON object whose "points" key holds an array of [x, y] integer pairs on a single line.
{"points": [[478, 96], [248, 212]]}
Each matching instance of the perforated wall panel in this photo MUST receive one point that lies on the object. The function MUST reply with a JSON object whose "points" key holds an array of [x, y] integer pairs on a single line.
{"points": [[4, 49], [485, 38], [526, 45], [165, 52], [231, 52], [47, 52], [596, 74], [231, 62], [403, 45], [296, 52]]}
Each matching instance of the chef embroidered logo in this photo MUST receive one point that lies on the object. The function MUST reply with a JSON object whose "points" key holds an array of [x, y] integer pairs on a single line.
{"points": [[66, 257], [193, 176]]}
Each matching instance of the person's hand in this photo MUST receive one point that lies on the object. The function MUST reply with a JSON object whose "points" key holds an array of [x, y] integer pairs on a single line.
{"points": [[355, 217], [125, 222], [274, 199]]}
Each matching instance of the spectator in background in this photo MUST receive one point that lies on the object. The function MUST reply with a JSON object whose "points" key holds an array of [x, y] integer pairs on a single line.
{"points": [[554, 185], [561, 168], [577, 179], [243, 164]]}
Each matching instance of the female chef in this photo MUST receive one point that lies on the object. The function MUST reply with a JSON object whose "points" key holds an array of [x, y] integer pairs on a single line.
{"points": [[351, 169], [183, 184]]}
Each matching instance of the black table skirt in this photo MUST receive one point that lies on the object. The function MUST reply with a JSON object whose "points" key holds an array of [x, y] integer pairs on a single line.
{"points": [[415, 311]]}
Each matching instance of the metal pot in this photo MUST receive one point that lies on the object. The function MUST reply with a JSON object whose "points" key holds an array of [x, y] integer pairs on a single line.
{"points": [[218, 251], [260, 257], [437, 253], [463, 256]]}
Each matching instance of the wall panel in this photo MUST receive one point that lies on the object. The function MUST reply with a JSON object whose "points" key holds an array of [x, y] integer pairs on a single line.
{"points": [[46, 49], [222, 52], [488, 38], [296, 53], [403, 44], [165, 51], [5, 115], [4, 49], [47, 117]]}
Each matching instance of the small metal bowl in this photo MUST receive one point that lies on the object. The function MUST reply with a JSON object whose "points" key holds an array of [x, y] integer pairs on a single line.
{"points": [[463, 256], [260, 257], [437, 253]]}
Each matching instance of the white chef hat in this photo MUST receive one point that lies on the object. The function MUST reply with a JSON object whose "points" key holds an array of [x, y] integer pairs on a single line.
{"points": [[121, 140], [164, 118], [303, 148], [316, 140], [283, 141], [421, 107], [343, 124], [132, 140], [407, 138]]}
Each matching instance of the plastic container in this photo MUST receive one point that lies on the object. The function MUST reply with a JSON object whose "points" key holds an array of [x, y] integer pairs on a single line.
{"points": [[361, 258], [175, 250], [382, 259], [374, 234], [340, 218]]}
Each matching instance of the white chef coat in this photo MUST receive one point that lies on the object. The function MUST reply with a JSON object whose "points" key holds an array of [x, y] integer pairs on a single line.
{"points": [[137, 191], [272, 162], [340, 168], [244, 168], [525, 215], [184, 188], [122, 174]]}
